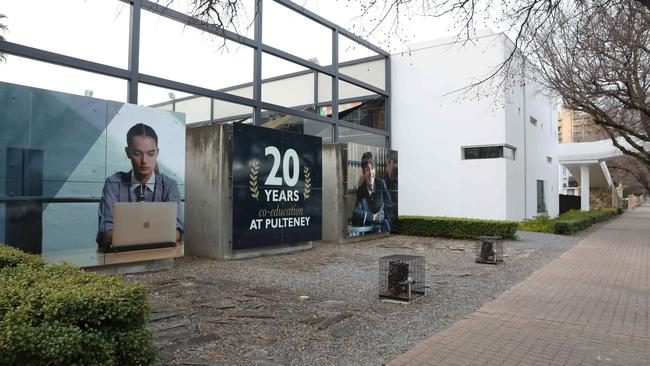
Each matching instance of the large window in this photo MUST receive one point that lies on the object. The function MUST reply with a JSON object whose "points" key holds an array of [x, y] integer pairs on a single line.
{"points": [[489, 152]]}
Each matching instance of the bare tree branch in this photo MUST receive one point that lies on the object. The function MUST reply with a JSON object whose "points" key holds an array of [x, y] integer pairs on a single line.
{"points": [[3, 28]]}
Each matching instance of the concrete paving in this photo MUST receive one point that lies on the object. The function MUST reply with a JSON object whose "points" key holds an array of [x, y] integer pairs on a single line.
{"points": [[588, 307]]}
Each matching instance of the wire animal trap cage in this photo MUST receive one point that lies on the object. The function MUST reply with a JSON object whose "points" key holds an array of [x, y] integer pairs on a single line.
{"points": [[489, 249], [401, 277]]}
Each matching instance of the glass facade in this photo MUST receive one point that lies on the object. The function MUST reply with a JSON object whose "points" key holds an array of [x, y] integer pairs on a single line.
{"points": [[287, 122], [361, 137], [172, 61]]}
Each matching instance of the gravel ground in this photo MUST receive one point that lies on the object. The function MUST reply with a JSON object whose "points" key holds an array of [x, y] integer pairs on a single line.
{"points": [[320, 307]]}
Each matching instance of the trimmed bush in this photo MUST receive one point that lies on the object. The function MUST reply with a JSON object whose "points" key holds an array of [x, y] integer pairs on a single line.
{"points": [[60, 314], [570, 226], [457, 228], [540, 224], [569, 222], [614, 211], [11, 257]]}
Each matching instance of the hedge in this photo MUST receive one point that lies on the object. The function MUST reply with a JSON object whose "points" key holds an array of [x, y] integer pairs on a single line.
{"points": [[60, 315], [452, 227], [540, 224], [573, 221], [11, 257], [568, 222]]}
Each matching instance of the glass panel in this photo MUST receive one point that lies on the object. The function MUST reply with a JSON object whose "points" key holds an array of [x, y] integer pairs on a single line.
{"points": [[324, 88], [351, 50], [53, 145], [196, 108], [287, 84], [92, 30], [242, 11], [541, 204], [349, 91], [312, 42], [61, 242], [178, 52], [38, 74], [370, 72], [163, 98], [361, 137], [232, 112], [369, 113], [287, 122], [483, 152]]}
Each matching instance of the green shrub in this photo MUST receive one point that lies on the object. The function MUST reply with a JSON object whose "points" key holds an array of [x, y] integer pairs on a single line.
{"points": [[457, 228], [568, 222], [595, 215], [540, 224], [570, 226], [60, 314], [614, 211], [11, 257]]}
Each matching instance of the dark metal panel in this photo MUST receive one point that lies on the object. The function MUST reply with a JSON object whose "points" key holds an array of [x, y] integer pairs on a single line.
{"points": [[316, 91], [24, 220], [335, 84], [62, 60], [257, 64], [134, 52], [387, 103]]}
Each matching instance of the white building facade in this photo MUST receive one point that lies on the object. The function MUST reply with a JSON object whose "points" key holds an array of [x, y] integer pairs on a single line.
{"points": [[487, 158]]}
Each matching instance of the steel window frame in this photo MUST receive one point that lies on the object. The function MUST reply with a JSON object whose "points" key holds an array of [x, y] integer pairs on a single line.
{"points": [[134, 77]]}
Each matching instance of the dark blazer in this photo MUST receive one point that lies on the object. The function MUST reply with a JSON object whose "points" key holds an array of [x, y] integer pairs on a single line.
{"points": [[369, 203]]}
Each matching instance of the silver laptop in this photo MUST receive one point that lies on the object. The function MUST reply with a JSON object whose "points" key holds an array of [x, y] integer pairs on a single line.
{"points": [[143, 225]]}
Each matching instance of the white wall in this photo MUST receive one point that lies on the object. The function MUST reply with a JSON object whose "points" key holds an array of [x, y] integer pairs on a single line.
{"points": [[541, 142], [429, 129]]}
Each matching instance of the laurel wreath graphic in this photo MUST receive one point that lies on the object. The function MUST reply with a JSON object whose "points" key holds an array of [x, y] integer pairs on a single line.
{"points": [[255, 167], [307, 174]]}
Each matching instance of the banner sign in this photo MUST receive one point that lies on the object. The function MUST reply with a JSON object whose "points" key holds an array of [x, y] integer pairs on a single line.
{"points": [[277, 187]]}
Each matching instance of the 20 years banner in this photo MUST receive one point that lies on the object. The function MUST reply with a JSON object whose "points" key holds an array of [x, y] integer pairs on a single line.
{"points": [[277, 187]]}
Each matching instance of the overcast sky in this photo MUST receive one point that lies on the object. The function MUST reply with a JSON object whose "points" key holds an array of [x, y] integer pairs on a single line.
{"points": [[97, 30]]}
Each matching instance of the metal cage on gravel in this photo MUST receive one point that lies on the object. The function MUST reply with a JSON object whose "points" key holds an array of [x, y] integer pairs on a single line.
{"points": [[401, 277], [489, 249]]}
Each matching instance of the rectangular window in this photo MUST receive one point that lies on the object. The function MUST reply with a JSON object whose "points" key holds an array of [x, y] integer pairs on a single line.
{"points": [[541, 202], [489, 152]]}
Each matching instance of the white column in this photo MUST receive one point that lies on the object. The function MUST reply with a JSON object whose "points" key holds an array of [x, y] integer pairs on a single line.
{"points": [[584, 190]]}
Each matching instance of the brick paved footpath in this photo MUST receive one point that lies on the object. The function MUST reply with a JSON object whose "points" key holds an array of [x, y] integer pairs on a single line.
{"points": [[588, 307]]}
